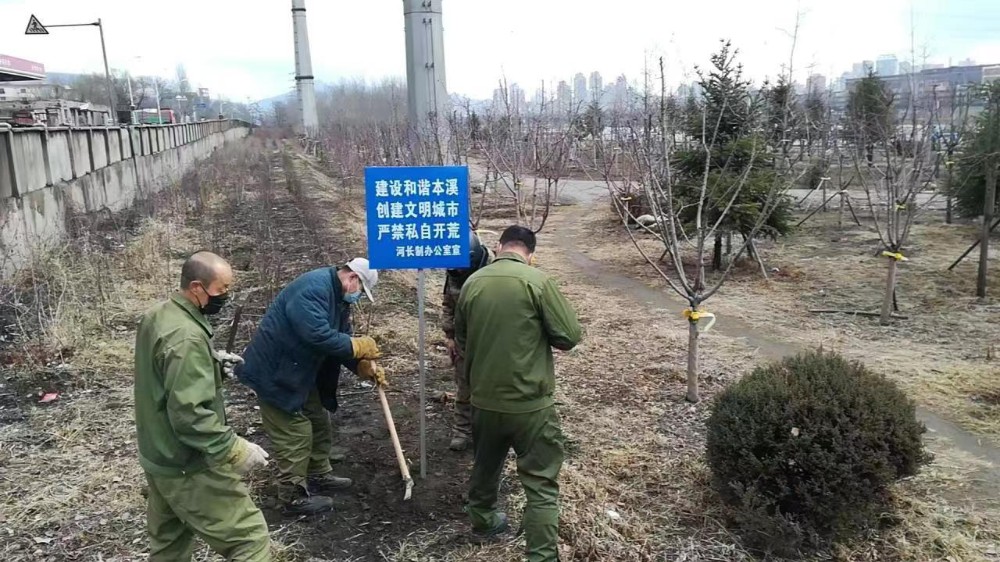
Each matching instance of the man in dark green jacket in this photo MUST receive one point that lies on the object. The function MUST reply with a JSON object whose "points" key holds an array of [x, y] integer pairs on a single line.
{"points": [[509, 317], [192, 459]]}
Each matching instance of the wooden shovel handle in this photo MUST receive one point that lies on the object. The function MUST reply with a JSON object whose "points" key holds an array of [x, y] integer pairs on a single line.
{"points": [[403, 468]]}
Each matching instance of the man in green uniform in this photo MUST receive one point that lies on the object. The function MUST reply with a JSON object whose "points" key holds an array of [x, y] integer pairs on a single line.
{"points": [[192, 459], [479, 257], [509, 317]]}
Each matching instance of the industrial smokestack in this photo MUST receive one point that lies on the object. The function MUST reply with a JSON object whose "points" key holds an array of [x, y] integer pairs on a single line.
{"points": [[306, 90], [425, 76]]}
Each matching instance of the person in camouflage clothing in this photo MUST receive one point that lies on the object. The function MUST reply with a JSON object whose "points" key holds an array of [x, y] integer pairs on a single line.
{"points": [[480, 257]]}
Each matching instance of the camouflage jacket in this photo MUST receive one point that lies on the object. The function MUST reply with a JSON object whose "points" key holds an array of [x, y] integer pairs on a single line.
{"points": [[453, 281]]}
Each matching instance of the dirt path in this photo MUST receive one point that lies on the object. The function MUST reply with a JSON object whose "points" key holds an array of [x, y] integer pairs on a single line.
{"points": [[944, 436]]}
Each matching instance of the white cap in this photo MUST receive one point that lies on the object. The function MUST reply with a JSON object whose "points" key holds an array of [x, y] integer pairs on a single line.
{"points": [[369, 276]]}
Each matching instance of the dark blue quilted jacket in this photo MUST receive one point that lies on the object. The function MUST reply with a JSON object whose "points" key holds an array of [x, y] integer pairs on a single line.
{"points": [[301, 344]]}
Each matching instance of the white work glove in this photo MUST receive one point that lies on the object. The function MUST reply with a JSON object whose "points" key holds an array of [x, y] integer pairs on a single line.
{"points": [[228, 361], [247, 456]]}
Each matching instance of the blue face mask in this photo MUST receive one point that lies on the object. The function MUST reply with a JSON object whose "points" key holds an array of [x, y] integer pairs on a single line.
{"points": [[352, 298]]}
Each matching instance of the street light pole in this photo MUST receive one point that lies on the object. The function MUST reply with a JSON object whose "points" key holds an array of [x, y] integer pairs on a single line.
{"points": [[104, 53], [159, 111], [107, 73], [131, 100]]}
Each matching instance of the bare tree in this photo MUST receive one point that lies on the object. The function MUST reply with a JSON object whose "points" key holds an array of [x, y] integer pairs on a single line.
{"points": [[527, 153], [686, 217], [897, 166]]}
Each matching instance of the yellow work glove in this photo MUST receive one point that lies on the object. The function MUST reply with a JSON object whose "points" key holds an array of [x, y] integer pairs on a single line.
{"points": [[246, 456], [365, 348], [369, 370]]}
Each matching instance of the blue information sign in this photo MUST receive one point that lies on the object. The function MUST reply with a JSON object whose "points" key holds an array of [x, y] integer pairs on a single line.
{"points": [[418, 217]]}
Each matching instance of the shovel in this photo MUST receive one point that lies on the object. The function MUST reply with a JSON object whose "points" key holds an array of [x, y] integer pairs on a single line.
{"points": [[403, 469]]}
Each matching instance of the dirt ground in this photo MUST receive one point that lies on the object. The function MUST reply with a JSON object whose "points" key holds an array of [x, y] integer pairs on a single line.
{"points": [[943, 353], [634, 486]]}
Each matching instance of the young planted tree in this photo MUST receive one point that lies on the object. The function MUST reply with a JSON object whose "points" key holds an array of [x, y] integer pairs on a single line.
{"points": [[896, 166], [740, 178], [951, 134], [976, 187], [725, 182], [869, 118]]}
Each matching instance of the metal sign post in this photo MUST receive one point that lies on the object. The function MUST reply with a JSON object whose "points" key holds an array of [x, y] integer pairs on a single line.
{"points": [[423, 373], [418, 218], [35, 27]]}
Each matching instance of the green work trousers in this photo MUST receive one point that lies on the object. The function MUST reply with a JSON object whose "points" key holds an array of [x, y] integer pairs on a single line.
{"points": [[300, 443], [538, 441], [213, 504], [463, 409]]}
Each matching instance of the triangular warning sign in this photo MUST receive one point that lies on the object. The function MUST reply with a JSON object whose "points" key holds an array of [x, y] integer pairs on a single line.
{"points": [[35, 27]]}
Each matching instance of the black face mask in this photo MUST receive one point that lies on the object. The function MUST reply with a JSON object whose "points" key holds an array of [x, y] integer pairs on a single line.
{"points": [[214, 304]]}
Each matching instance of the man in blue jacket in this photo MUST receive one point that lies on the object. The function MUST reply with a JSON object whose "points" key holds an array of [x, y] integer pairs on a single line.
{"points": [[293, 364]]}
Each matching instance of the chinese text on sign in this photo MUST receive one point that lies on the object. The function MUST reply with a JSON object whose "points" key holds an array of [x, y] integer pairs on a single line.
{"points": [[418, 217]]}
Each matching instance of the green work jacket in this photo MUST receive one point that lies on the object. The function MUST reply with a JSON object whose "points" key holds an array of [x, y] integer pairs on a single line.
{"points": [[179, 412], [508, 318]]}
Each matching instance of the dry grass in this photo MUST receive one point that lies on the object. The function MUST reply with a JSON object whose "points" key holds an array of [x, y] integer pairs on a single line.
{"points": [[70, 482], [934, 519], [942, 354], [634, 485]]}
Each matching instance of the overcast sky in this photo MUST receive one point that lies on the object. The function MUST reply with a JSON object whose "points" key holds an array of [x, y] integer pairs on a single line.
{"points": [[243, 48]]}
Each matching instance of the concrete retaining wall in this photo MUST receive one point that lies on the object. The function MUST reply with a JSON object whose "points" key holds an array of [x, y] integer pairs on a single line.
{"points": [[49, 174]]}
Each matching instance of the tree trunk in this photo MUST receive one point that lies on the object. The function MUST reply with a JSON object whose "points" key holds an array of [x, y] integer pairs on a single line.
{"points": [[752, 250], [692, 371], [890, 289], [840, 211], [717, 253], [947, 198], [984, 241]]}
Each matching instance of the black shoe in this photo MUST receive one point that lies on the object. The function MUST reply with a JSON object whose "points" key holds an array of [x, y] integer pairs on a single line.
{"points": [[309, 505], [491, 534], [326, 483]]}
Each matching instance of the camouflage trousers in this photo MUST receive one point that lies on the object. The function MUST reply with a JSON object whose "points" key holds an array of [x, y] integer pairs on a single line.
{"points": [[463, 409]]}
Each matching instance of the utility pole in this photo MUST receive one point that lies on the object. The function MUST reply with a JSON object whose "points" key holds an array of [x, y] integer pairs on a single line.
{"points": [[107, 74], [159, 109], [131, 100], [304, 82], [427, 90]]}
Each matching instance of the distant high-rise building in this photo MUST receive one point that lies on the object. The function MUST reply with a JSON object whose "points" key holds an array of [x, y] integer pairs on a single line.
{"points": [[596, 85], [539, 98], [816, 84], [620, 95], [498, 97], [840, 84], [517, 99], [867, 67], [579, 89], [564, 96], [887, 65], [967, 62]]}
